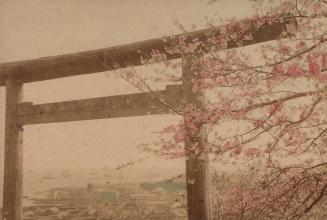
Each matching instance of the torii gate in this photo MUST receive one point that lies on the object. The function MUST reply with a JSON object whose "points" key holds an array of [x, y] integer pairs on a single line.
{"points": [[14, 74]]}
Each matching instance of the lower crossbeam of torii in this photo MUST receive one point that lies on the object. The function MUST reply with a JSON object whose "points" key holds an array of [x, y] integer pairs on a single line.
{"points": [[13, 75]]}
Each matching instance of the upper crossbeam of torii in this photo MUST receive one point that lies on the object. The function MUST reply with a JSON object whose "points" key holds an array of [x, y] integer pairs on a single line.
{"points": [[14, 74], [122, 56]]}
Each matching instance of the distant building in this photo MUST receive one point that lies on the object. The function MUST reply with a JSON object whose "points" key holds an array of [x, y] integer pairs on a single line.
{"points": [[108, 196], [167, 186]]}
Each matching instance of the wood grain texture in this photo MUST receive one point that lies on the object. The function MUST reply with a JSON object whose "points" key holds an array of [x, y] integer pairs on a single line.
{"points": [[87, 62], [197, 165], [13, 164], [138, 104]]}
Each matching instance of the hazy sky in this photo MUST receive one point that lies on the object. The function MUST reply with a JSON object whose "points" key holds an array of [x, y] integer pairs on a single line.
{"points": [[36, 28]]}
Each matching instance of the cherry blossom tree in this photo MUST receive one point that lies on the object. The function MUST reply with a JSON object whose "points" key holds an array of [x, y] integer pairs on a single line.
{"points": [[266, 104]]}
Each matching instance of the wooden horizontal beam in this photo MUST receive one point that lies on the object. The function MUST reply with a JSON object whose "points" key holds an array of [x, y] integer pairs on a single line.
{"points": [[138, 104], [122, 56]]}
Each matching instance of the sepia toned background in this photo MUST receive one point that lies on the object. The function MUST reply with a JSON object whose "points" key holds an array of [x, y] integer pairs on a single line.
{"points": [[35, 28]]}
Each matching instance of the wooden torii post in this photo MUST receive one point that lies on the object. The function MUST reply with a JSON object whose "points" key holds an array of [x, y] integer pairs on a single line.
{"points": [[14, 74]]}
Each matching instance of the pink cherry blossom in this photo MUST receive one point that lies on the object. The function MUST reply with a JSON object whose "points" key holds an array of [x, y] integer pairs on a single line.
{"points": [[313, 66], [294, 70]]}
